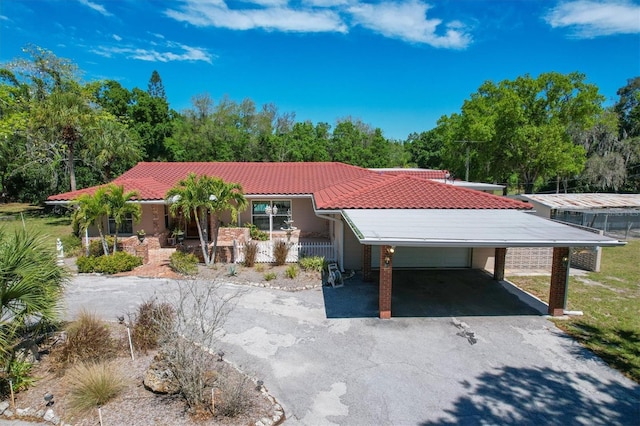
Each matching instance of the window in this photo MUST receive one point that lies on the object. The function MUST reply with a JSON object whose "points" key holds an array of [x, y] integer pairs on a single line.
{"points": [[260, 219], [126, 227]]}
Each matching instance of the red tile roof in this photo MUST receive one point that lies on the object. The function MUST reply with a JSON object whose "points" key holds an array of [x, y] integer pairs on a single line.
{"points": [[333, 185], [421, 173], [385, 191]]}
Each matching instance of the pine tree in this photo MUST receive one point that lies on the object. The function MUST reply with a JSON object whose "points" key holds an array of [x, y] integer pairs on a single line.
{"points": [[155, 87]]}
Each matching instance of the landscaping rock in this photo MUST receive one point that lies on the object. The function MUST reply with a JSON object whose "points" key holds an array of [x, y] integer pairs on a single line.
{"points": [[159, 379], [3, 406]]}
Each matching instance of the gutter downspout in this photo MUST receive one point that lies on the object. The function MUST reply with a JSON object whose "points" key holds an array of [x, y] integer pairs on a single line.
{"points": [[339, 227]]}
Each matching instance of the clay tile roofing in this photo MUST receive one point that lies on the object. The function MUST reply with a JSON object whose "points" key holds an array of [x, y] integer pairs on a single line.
{"points": [[404, 192], [333, 185], [421, 173]]}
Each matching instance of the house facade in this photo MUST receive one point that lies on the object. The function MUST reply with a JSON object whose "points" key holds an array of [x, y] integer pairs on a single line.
{"points": [[375, 219]]}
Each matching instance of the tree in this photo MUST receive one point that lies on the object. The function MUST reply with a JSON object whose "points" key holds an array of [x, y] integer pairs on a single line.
{"points": [[524, 126], [113, 148], [58, 126], [31, 285], [155, 87], [91, 210], [120, 208], [195, 195]]}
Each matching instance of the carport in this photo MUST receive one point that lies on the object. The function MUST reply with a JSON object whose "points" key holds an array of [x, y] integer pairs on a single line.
{"points": [[484, 233]]}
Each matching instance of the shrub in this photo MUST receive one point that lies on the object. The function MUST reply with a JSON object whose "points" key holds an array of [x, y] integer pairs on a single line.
{"points": [[112, 264], [270, 276], [291, 271], [184, 263], [92, 385], [280, 252], [88, 339], [237, 395], [312, 263], [259, 267], [118, 262], [148, 322], [71, 244], [257, 234], [86, 265], [250, 253], [95, 246], [18, 371]]}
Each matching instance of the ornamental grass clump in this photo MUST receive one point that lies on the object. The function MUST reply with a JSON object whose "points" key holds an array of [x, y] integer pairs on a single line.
{"points": [[250, 253], [88, 340], [148, 322], [93, 385], [280, 252]]}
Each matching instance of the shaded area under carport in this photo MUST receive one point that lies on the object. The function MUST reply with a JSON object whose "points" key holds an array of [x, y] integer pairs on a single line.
{"points": [[426, 293]]}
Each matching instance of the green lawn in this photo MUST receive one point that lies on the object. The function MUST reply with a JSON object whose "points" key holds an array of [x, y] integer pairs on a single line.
{"points": [[50, 227], [610, 300]]}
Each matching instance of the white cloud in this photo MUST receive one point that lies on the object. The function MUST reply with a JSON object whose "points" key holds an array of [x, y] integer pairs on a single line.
{"points": [[408, 21], [172, 52], [97, 7], [588, 18], [405, 19], [269, 18], [3, 18], [116, 37]]}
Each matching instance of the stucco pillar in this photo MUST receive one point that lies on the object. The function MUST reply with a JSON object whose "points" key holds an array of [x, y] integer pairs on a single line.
{"points": [[366, 263], [559, 284], [498, 263], [386, 269]]}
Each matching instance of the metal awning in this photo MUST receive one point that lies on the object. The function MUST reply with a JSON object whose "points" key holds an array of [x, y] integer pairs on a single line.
{"points": [[466, 228]]}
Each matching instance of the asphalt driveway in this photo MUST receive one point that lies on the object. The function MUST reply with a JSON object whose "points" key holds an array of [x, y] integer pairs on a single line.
{"points": [[328, 360]]}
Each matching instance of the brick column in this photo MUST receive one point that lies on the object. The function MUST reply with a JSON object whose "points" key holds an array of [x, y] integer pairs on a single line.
{"points": [[498, 263], [142, 251], [385, 282], [557, 292], [366, 263]]}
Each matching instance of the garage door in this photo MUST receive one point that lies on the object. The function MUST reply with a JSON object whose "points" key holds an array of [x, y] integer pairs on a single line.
{"points": [[426, 257]]}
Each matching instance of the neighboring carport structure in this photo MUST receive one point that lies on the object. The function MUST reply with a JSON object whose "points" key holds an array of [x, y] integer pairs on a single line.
{"points": [[484, 233]]}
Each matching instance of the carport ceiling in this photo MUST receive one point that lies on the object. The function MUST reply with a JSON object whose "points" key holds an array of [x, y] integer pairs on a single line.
{"points": [[466, 228]]}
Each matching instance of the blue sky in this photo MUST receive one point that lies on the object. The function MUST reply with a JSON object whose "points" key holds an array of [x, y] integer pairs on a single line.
{"points": [[394, 64]]}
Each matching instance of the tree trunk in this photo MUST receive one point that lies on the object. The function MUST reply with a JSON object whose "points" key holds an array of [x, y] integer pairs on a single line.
{"points": [[203, 244], [71, 166]]}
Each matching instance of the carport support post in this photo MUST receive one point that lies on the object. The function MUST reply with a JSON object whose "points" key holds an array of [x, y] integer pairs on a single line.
{"points": [[366, 263], [386, 267], [559, 281], [499, 260]]}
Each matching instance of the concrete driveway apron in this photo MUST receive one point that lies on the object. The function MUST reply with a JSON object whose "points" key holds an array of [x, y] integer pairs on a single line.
{"points": [[503, 369]]}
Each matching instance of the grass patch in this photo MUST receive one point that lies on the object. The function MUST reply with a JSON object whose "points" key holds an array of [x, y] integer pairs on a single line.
{"points": [[609, 299], [50, 226]]}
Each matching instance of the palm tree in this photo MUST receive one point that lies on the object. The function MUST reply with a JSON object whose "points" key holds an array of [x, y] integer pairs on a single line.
{"points": [[31, 284], [119, 207], [91, 210], [195, 195], [228, 197], [61, 121]]}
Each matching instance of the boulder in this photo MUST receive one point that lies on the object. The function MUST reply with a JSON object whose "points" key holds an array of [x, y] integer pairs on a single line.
{"points": [[159, 379]]}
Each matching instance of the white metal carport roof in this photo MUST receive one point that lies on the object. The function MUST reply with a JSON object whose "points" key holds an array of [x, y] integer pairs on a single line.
{"points": [[466, 228]]}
